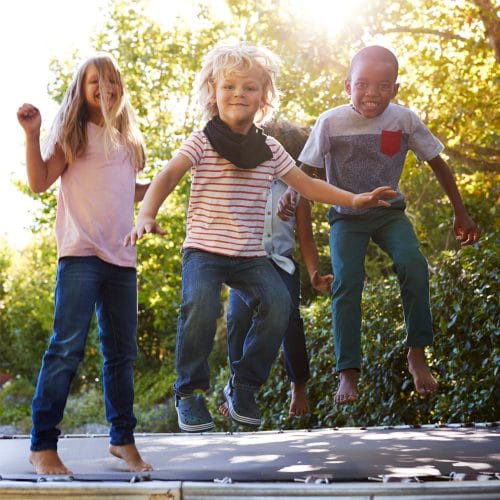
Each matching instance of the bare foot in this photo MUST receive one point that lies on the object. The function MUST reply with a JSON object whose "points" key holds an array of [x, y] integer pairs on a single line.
{"points": [[424, 381], [131, 455], [224, 410], [300, 402], [47, 462], [348, 386]]}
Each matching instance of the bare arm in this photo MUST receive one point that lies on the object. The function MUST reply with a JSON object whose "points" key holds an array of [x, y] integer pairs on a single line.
{"points": [[288, 200], [140, 191], [308, 247], [41, 173], [163, 184], [465, 228], [318, 190]]}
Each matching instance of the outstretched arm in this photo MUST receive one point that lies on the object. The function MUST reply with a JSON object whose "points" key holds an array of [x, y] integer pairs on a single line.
{"points": [[288, 200], [318, 190], [465, 228], [41, 173], [163, 184], [308, 247]]}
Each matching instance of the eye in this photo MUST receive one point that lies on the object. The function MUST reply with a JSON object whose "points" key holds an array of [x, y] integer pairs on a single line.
{"points": [[360, 85]]}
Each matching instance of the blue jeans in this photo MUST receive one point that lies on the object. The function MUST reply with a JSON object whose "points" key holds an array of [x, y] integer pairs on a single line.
{"points": [[239, 321], [391, 230], [203, 275], [85, 284]]}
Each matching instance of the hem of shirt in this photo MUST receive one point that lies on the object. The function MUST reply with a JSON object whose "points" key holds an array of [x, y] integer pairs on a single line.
{"points": [[433, 155], [310, 164], [222, 252], [105, 258]]}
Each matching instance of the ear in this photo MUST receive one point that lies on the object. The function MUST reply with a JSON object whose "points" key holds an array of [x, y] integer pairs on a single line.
{"points": [[347, 86], [395, 91], [263, 103]]}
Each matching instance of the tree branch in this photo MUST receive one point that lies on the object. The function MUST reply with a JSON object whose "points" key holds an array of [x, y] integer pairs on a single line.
{"points": [[489, 17], [479, 164]]}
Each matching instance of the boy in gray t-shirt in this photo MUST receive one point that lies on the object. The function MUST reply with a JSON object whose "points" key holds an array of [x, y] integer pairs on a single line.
{"points": [[364, 145]]}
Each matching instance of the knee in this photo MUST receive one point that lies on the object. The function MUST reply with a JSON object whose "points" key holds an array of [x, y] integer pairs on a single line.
{"points": [[348, 284], [63, 357], [411, 264], [278, 303], [201, 300]]}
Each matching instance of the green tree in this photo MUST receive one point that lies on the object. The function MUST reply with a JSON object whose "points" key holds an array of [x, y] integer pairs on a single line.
{"points": [[448, 52]]}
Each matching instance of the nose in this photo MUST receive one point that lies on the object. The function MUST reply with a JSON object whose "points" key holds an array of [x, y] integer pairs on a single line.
{"points": [[371, 90]]}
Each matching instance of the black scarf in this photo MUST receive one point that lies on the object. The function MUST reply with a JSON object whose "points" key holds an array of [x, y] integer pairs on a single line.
{"points": [[243, 151]]}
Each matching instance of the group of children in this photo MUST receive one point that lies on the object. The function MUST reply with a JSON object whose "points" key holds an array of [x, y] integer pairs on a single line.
{"points": [[233, 235]]}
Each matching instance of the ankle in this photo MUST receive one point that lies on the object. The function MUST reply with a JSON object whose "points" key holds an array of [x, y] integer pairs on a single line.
{"points": [[416, 355], [349, 373]]}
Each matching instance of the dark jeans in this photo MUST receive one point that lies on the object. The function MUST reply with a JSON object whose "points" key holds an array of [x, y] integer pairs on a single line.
{"points": [[391, 230], [239, 320], [203, 274], [85, 284]]}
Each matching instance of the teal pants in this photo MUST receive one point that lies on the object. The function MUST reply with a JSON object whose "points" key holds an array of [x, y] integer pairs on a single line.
{"points": [[391, 230]]}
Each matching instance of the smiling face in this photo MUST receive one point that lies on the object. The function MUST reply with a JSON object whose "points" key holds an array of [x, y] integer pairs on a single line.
{"points": [[100, 90], [239, 97], [372, 85]]}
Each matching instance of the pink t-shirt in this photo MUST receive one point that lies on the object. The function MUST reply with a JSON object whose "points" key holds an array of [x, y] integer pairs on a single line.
{"points": [[95, 210]]}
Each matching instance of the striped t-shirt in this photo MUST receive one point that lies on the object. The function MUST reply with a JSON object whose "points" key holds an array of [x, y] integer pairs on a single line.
{"points": [[361, 153], [227, 204]]}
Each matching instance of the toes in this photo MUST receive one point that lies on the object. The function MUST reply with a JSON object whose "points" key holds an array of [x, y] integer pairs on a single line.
{"points": [[345, 398]]}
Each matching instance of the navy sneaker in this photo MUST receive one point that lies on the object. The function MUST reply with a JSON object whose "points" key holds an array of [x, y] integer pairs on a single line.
{"points": [[193, 414], [242, 406]]}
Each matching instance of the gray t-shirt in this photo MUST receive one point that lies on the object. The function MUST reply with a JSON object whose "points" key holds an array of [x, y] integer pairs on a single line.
{"points": [[361, 153]]}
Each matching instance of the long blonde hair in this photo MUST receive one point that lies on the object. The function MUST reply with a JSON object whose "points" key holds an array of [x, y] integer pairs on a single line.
{"points": [[240, 59], [69, 129]]}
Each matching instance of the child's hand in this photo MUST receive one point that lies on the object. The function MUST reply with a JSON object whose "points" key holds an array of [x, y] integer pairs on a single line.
{"points": [[143, 226], [287, 204], [374, 198], [30, 118], [321, 283], [466, 230]]}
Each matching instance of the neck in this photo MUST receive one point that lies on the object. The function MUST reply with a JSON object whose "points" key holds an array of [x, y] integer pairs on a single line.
{"points": [[242, 129], [239, 127], [96, 118]]}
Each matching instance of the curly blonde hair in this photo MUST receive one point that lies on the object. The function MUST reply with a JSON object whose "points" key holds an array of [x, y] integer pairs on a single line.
{"points": [[240, 59], [69, 129]]}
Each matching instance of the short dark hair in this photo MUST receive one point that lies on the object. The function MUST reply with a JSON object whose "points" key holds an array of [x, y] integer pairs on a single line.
{"points": [[375, 53], [291, 136]]}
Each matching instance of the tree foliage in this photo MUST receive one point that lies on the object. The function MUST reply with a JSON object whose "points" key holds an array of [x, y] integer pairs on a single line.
{"points": [[448, 52]]}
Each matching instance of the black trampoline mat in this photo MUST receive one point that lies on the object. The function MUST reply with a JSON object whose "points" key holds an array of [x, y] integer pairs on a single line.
{"points": [[346, 454]]}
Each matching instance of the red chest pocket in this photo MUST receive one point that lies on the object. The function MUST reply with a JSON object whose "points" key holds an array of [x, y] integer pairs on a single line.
{"points": [[390, 142]]}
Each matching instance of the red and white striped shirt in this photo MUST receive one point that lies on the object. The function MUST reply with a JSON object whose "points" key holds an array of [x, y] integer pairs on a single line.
{"points": [[227, 204]]}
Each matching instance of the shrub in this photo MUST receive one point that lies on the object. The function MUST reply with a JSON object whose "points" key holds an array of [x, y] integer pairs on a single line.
{"points": [[465, 355]]}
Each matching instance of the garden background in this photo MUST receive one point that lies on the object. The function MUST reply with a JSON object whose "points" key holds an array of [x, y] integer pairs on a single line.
{"points": [[449, 52]]}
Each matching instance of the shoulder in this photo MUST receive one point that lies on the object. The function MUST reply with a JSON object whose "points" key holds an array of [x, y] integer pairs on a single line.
{"points": [[276, 147], [197, 139], [334, 115], [399, 110], [273, 143], [197, 136], [195, 146], [338, 111]]}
